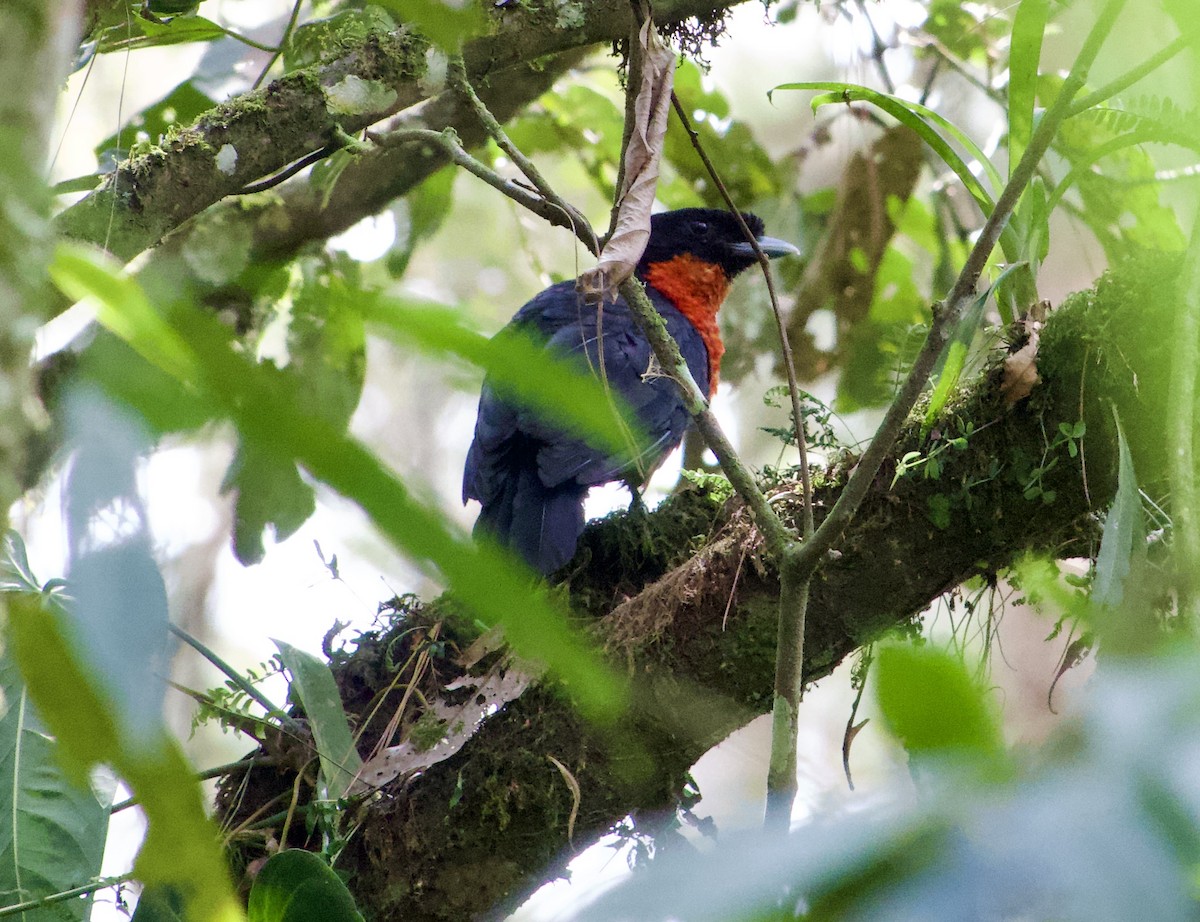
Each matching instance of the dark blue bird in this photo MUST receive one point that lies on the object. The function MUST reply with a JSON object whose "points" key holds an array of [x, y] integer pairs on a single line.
{"points": [[530, 476]]}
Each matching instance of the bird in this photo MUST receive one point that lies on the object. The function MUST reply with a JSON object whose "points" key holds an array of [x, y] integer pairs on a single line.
{"points": [[530, 477]]}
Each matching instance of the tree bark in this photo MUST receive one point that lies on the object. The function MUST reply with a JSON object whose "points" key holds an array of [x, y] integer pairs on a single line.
{"points": [[474, 833]]}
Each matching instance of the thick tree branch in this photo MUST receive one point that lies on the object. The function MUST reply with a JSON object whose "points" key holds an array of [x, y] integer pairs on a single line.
{"points": [[698, 631], [155, 192]]}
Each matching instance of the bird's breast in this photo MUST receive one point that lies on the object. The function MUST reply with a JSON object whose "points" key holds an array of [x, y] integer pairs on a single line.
{"points": [[697, 289]]}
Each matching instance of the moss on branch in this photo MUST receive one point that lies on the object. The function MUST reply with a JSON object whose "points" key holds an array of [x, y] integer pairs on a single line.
{"points": [[684, 597]]}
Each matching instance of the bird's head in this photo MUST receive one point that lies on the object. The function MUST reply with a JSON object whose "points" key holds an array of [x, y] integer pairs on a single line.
{"points": [[708, 235]]}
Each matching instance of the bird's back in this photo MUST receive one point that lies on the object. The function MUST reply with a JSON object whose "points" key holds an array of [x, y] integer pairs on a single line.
{"points": [[530, 476]]}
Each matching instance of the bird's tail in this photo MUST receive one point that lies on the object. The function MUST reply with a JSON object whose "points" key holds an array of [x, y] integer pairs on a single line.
{"points": [[541, 524]]}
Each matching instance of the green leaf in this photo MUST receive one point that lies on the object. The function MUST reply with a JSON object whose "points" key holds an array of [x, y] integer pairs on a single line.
{"points": [[177, 31], [419, 215], [1124, 534], [272, 499], [1024, 56], [442, 22], [921, 120], [328, 37], [159, 903], [121, 306], [313, 685], [950, 364], [327, 344], [516, 366], [269, 411], [53, 831], [933, 706], [297, 886], [78, 184], [181, 844]]}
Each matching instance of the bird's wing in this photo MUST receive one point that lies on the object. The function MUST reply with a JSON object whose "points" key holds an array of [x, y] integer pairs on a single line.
{"points": [[608, 341]]}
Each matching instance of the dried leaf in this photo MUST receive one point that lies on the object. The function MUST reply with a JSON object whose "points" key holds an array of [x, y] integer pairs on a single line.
{"points": [[501, 685], [1020, 368], [636, 197]]}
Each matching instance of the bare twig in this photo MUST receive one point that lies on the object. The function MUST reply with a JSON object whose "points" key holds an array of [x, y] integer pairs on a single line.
{"points": [[784, 343], [579, 224], [539, 204]]}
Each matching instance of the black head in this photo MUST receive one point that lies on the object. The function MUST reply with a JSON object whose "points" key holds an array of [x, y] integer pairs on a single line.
{"points": [[711, 235]]}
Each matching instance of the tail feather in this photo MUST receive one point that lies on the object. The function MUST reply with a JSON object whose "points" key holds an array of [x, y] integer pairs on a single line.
{"points": [[541, 524]]}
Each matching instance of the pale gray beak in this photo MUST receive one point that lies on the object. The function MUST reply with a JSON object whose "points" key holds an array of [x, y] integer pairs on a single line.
{"points": [[772, 246]]}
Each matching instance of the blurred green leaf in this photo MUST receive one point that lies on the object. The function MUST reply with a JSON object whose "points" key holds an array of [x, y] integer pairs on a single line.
{"points": [[321, 39], [272, 499], [181, 844], [444, 22], [419, 215], [297, 886], [517, 366], [1123, 202], [177, 31], [314, 687], [1024, 57], [159, 903], [53, 831], [949, 367], [327, 343], [269, 412], [933, 706]]}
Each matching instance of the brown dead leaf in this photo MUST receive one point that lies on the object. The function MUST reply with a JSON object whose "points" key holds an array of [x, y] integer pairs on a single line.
{"points": [[635, 200], [1020, 368]]}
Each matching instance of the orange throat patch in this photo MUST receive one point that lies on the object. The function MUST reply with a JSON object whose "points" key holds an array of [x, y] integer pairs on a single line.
{"points": [[697, 289]]}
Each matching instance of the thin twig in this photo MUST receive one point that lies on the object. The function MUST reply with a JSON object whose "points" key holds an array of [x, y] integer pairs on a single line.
{"points": [[1126, 80], [27, 906], [287, 35], [793, 584], [947, 314], [460, 84], [784, 344], [541, 206], [877, 49]]}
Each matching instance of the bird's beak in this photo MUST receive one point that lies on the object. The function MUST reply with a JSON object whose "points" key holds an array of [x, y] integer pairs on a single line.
{"points": [[772, 246]]}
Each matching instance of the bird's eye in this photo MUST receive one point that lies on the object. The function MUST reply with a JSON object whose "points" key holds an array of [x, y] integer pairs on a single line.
{"points": [[699, 228]]}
